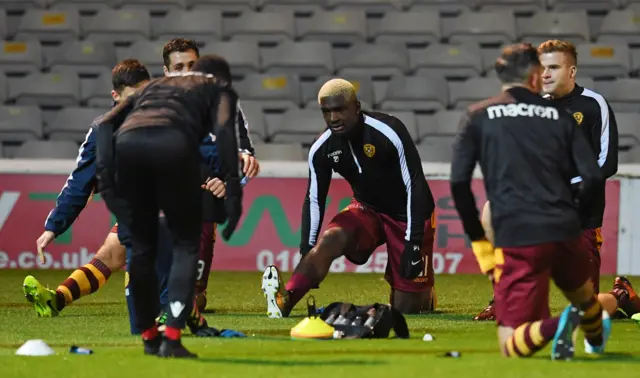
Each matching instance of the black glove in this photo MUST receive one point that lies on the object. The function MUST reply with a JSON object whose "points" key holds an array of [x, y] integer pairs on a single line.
{"points": [[412, 262], [232, 206]]}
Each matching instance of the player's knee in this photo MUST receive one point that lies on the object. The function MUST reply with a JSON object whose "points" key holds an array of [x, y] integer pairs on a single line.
{"points": [[112, 253], [582, 294], [332, 242]]}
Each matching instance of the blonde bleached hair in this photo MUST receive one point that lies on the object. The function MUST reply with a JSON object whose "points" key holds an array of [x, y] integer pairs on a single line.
{"points": [[556, 45], [337, 87]]}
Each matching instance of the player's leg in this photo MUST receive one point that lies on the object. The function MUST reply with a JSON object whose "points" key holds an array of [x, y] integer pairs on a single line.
{"points": [[181, 200], [207, 244], [409, 296], [355, 233], [489, 312], [83, 281], [522, 301], [571, 273]]}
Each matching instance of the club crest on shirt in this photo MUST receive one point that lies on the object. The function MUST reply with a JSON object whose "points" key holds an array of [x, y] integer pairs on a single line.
{"points": [[578, 117], [369, 150]]}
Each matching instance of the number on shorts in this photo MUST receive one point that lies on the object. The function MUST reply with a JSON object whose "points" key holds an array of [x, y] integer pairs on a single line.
{"points": [[499, 260], [200, 269]]}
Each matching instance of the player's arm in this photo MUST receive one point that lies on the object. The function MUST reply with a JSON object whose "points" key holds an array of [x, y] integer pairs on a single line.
{"points": [[465, 156], [605, 135], [315, 198], [585, 162], [77, 189], [246, 145]]}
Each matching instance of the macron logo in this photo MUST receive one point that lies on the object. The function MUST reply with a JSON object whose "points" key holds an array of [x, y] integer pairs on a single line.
{"points": [[522, 110], [176, 308]]}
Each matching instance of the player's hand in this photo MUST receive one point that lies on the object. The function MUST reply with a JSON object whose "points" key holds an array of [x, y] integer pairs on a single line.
{"points": [[215, 186], [412, 261], [250, 165], [43, 241], [233, 207], [484, 252]]}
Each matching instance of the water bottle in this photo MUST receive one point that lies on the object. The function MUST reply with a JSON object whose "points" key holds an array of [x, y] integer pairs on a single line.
{"points": [[77, 350]]}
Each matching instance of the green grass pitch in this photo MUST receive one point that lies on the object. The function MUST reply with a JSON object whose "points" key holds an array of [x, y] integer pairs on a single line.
{"points": [[100, 322]]}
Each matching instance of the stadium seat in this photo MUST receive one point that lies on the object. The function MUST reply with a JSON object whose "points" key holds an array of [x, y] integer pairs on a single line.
{"points": [[335, 27], [628, 130], [49, 26], [436, 149], [451, 61], [297, 126], [47, 149], [261, 27], [372, 60], [463, 94], [304, 7], [88, 6], [409, 121], [407, 27], [82, 57], [72, 123], [603, 60], [4, 26], [274, 92], [255, 118], [202, 25], [623, 95], [369, 6], [283, 152], [148, 52], [517, 6], [589, 5], [155, 5], [443, 123], [635, 62], [415, 93], [480, 27], [444, 7], [301, 58], [120, 26], [620, 26], [20, 123], [629, 156], [243, 57], [53, 89], [224, 5], [363, 85], [586, 82], [98, 95], [17, 5], [21, 57], [4, 88], [570, 26]]}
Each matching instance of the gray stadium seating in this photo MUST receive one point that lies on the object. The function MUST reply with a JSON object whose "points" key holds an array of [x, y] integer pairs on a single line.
{"points": [[407, 27], [296, 6], [473, 90], [285, 152], [53, 89], [225, 5], [302, 58], [82, 57], [14, 5], [410, 122], [446, 7], [570, 26], [593, 5], [628, 130], [371, 6], [261, 27], [623, 95], [97, 93], [481, 27], [520, 6], [415, 93], [436, 149], [20, 57], [201, 25], [443, 123], [72, 123], [4, 88], [155, 5], [620, 26], [372, 60], [84, 5], [47, 149], [20, 123], [451, 61], [298, 126], [243, 57], [110, 25], [275, 92], [604, 60], [363, 85], [49, 26], [340, 27], [4, 27], [255, 117], [149, 52]]}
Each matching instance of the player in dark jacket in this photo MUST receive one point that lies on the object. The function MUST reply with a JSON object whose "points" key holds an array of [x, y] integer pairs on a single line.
{"points": [[392, 205]]}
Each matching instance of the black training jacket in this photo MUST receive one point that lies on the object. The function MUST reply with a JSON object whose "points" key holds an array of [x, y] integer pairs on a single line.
{"points": [[382, 165], [528, 150]]}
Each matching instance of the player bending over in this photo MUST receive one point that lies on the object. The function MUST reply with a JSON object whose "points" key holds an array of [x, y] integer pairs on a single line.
{"points": [[528, 149], [392, 205]]}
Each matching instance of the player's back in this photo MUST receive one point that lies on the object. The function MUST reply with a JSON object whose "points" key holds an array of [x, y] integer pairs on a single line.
{"points": [[185, 100], [525, 152]]}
